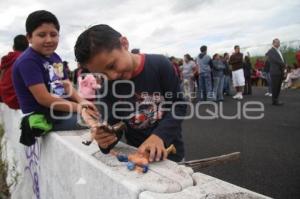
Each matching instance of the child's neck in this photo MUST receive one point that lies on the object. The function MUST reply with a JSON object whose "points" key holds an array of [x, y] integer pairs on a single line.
{"points": [[136, 60]]}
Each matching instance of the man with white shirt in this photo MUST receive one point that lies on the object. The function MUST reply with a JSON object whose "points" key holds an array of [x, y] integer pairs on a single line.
{"points": [[277, 65], [238, 78]]}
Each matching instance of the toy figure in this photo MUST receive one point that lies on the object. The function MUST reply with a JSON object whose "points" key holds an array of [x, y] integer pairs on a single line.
{"points": [[139, 161]]}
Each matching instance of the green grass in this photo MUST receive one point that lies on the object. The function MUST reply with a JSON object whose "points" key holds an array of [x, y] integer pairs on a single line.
{"points": [[4, 188]]}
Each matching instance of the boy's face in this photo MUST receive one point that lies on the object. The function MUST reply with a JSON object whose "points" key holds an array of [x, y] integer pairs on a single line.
{"points": [[117, 64], [237, 50], [44, 39]]}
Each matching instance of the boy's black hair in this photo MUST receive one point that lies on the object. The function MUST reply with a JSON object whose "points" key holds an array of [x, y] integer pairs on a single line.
{"points": [[203, 49], [20, 43], [236, 46], [94, 40], [37, 18], [135, 51]]}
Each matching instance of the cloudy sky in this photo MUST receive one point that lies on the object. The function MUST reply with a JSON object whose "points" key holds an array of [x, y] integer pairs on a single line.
{"points": [[171, 27]]}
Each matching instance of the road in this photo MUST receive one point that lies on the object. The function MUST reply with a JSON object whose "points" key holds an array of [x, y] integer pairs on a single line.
{"points": [[270, 147]]}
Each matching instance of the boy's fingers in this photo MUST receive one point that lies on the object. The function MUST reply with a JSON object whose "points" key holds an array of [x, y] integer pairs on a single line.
{"points": [[158, 154], [142, 149], [106, 128], [93, 134], [152, 153], [104, 123], [94, 108], [106, 144], [165, 154], [93, 113], [104, 135], [107, 141], [101, 134]]}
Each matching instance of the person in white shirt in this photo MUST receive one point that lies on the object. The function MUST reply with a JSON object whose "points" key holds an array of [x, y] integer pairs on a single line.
{"points": [[293, 75], [189, 66]]}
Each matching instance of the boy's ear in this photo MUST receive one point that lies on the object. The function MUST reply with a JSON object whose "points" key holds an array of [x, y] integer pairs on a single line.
{"points": [[124, 42], [28, 37]]}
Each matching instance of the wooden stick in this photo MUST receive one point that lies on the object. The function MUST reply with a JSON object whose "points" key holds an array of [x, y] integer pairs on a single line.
{"points": [[197, 165]]}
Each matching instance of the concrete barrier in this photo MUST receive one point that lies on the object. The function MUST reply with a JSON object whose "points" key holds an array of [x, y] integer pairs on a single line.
{"points": [[59, 166]]}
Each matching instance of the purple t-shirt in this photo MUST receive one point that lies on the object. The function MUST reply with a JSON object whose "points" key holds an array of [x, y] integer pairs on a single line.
{"points": [[33, 68]]}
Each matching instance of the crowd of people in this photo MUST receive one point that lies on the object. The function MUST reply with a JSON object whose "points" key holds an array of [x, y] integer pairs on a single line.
{"points": [[207, 78], [36, 80]]}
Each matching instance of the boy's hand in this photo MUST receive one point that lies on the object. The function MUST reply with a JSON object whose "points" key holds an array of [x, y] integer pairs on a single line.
{"points": [[92, 109], [155, 146], [103, 138]]}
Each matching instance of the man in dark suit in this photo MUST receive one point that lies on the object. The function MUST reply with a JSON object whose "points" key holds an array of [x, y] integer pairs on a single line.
{"points": [[277, 66]]}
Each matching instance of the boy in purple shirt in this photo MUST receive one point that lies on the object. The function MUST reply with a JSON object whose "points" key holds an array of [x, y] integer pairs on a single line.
{"points": [[40, 82]]}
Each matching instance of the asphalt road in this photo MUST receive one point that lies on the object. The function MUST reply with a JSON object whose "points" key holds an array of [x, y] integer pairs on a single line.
{"points": [[270, 147]]}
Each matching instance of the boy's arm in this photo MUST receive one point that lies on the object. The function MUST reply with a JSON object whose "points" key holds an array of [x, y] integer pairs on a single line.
{"points": [[44, 98], [71, 91], [107, 101], [169, 128]]}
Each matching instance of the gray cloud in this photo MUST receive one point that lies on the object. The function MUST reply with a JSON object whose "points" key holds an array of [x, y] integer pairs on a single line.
{"points": [[179, 6], [173, 27]]}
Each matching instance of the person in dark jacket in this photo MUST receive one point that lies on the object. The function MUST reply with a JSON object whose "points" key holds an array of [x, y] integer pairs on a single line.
{"points": [[277, 66], [247, 74], [218, 77], [227, 74], [204, 64], [7, 91]]}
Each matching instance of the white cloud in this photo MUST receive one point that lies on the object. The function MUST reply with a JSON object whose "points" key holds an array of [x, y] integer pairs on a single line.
{"points": [[172, 27]]}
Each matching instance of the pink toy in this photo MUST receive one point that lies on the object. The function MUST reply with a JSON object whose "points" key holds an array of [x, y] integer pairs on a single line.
{"points": [[88, 86]]}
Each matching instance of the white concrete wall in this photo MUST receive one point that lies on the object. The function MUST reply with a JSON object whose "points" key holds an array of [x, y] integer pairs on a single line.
{"points": [[59, 166]]}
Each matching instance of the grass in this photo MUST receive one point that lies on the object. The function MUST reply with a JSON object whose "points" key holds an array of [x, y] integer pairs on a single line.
{"points": [[4, 188]]}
